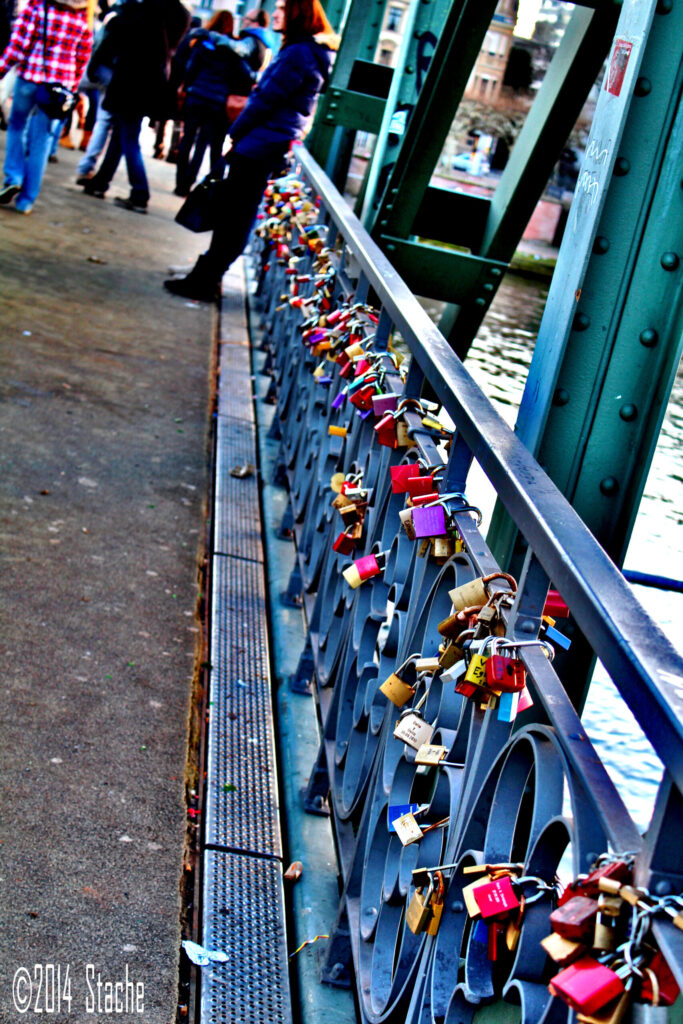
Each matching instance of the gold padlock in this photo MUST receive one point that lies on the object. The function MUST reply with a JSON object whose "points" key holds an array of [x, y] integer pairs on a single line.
{"points": [[412, 729], [419, 911], [336, 482], [430, 754], [562, 951], [475, 591], [402, 438], [442, 547], [397, 690]]}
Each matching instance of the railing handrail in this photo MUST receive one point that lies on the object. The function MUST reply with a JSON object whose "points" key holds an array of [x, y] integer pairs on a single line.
{"points": [[636, 653]]}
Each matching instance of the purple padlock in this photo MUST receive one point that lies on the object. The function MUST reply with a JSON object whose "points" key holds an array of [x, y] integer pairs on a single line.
{"points": [[384, 403], [429, 521], [339, 400]]}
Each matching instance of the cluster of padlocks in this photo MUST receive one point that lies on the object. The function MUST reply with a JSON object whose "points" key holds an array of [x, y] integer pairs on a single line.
{"points": [[458, 801]]}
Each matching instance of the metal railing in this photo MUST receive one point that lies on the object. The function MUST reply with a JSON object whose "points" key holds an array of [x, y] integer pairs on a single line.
{"points": [[531, 791]]}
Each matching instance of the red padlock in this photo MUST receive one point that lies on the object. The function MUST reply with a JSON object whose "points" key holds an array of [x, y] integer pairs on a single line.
{"points": [[400, 475], [361, 366], [425, 499], [555, 606], [345, 543], [505, 674], [668, 986], [385, 430], [362, 398], [346, 369], [575, 919], [496, 897], [586, 985], [419, 485]]}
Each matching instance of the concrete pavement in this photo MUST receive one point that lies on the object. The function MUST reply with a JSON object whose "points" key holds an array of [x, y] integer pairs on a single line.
{"points": [[104, 396]]}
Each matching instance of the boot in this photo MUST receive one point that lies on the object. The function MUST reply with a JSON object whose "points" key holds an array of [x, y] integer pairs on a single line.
{"points": [[65, 137], [200, 284], [85, 139]]}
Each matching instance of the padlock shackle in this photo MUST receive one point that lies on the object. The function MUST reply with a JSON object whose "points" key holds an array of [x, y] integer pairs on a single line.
{"points": [[501, 576], [406, 403], [542, 887], [516, 644]]}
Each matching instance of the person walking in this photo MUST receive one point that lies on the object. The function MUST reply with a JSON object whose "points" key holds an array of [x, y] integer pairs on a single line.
{"points": [[50, 42], [277, 113], [142, 37], [213, 72]]}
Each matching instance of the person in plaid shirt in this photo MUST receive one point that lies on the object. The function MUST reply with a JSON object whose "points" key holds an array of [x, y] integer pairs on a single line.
{"points": [[62, 60]]}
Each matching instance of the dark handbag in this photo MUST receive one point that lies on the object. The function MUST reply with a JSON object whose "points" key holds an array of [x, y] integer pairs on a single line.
{"points": [[200, 210], [54, 99]]}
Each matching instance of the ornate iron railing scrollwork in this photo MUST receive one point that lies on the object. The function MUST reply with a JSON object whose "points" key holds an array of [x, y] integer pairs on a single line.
{"points": [[531, 790]]}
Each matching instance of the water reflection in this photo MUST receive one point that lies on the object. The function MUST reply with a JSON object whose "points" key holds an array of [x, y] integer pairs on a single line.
{"points": [[499, 360]]}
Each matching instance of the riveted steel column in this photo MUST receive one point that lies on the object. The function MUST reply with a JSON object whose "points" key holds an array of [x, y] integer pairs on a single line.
{"points": [[339, 107], [424, 22], [611, 337]]}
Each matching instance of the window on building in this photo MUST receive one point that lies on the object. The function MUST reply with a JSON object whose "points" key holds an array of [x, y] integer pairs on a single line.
{"points": [[394, 18], [385, 57], [483, 84]]}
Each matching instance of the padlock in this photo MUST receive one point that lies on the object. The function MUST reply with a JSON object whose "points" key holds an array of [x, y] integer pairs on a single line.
{"points": [[575, 919], [436, 903], [400, 476], [504, 673], [476, 670], [363, 569], [419, 910], [468, 895], [442, 547], [412, 729], [382, 404], [619, 869], [362, 398], [353, 351], [396, 688], [449, 655], [406, 517], [496, 897], [605, 931], [403, 439], [525, 701], [430, 521], [424, 499], [431, 755], [563, 951], [407, 829], [336, 482], [334, 431], [385, 431], [349, 512], [658, 975], [419, 485], [475, 591], [613, 1013], [587, 985], [555, 606], [345, 544]]}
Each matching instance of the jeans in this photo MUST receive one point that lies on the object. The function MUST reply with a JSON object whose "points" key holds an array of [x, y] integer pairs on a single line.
{"points": [[204, 125], [98, 141], [29, 140], [238, 204], [125, 141]]}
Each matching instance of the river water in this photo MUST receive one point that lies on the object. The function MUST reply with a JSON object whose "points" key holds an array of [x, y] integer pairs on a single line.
{"points": [[499, 361]]}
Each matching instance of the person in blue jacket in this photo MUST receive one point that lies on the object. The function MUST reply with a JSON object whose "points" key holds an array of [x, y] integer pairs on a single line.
{"points": [[213, 71], [277, 113]]}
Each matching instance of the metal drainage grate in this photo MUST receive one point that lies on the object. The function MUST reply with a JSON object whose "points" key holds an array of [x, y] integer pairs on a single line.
{"points": [[237, 519], [244, 915], [241, 801]]}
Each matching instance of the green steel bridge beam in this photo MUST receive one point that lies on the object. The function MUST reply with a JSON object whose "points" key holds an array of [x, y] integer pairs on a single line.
{"points": [[611, 336], [489, 228]]}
